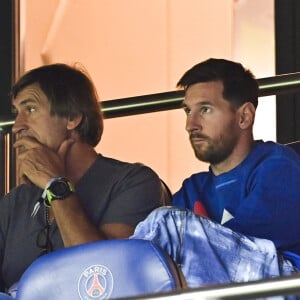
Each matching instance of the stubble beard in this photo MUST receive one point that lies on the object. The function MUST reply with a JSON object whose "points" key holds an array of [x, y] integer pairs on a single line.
{"points": [[214, 152]]}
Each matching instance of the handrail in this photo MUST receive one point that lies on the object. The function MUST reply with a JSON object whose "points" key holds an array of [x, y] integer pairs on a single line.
{"points": [[6, 123], [280, 84], [279, 286]]}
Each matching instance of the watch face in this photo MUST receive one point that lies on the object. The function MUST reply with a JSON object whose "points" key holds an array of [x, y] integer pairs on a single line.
{"points": [[60, 189]]}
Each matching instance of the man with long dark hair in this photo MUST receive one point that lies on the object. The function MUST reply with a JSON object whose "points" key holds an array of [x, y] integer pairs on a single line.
{"points": [[72, 195]]}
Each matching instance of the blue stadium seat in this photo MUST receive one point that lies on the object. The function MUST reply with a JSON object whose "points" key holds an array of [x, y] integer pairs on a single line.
{"points": [[100, 270], [5, 297]]}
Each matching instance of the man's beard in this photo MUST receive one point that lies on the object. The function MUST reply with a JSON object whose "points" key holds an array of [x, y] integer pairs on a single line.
{"points": [[214, 152]]}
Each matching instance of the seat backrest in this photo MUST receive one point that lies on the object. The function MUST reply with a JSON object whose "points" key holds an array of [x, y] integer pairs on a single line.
{"points": [[167, 194], [100, 270], [295, 145], [4, 296]]}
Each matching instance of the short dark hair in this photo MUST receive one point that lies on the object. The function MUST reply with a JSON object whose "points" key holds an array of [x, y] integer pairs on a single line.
{"points": [[240, 85], [70, 93]]}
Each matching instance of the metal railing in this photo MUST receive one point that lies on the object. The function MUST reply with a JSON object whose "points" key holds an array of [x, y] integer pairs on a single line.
{"points": [[277, 85], [280, 286]]}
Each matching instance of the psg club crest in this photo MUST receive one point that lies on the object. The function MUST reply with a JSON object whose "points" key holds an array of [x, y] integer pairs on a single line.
{"points": [[95, 283]]}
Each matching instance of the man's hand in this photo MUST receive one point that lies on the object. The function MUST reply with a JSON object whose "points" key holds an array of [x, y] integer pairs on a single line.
{"points": [[38, 163]]}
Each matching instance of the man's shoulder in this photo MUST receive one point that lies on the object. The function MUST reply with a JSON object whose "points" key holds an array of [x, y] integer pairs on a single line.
{"points": [[198, 178], [107, 166], [114, 163], [271, 159], [273, 150]]}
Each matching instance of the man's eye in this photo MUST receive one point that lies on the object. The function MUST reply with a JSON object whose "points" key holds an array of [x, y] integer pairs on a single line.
{"points": [[30, 109], [14, 111], [205, 109], [187, 110]]}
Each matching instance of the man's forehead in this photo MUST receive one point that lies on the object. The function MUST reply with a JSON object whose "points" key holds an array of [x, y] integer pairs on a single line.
{"points": [[205, 93], [30, 93], [209, 87], [214, 84]]}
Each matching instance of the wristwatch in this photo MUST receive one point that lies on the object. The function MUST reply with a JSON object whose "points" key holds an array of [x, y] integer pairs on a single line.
{"points": [[57, 188]]}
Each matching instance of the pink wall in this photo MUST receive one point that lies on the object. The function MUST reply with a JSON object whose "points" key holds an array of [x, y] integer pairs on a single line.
{"points": [[134, 47]]}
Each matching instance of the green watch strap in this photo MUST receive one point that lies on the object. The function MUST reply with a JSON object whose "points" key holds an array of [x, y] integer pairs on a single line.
{"points": [[49, 195]]}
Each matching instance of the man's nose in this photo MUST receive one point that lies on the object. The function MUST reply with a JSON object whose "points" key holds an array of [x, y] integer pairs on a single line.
{"points": [[193, 123], [20, 123]]}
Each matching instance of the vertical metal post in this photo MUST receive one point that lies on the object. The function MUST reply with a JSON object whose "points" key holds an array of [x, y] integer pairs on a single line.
{"points": [[7, 161], [2, 163], [10, 70]]}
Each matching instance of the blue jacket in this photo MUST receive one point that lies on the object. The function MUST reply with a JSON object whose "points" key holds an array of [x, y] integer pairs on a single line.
{"points": [[260, 197], [209, 253]]}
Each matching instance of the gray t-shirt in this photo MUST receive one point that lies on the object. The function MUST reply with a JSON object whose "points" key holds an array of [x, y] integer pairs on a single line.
{"points": [[110, 191]]}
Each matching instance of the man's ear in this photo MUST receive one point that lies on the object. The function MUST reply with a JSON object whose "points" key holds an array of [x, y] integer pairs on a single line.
{"points": [[246, 115], [73, 122]]}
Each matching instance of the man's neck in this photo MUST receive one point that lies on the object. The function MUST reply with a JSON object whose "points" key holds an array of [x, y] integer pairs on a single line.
{"points": [[236, 158], [79, 159]]}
